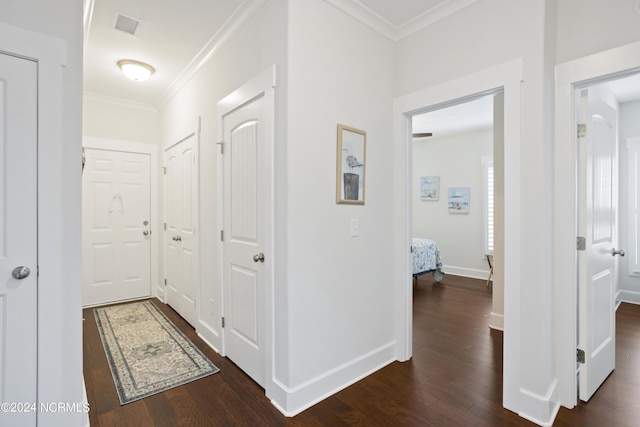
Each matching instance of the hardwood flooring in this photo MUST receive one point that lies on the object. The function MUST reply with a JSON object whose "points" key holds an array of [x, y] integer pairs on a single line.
{"points": [[453, 379]]}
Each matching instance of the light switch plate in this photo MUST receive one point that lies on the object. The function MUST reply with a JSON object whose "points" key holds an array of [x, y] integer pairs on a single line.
{"points": [[355, 227]]}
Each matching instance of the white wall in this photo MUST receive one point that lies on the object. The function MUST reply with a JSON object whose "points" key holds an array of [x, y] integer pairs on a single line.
{"points": [[496, 32], [60, 325], [629, 286], [119, 121], [456, 159], [257, 45], [589, 26], [340, 288]]}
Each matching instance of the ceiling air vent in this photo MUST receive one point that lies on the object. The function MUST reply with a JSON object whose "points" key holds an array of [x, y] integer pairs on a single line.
{"points": [[126, 24]]}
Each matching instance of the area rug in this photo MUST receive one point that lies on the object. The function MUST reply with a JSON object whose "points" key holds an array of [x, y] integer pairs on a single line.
{"points": [[147, 353]]}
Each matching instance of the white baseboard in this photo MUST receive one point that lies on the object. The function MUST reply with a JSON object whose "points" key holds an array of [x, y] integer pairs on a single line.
{"points": [[207, 335], [293, 400], [628, 296], [540, 409], [466, 272], [496, 321]]}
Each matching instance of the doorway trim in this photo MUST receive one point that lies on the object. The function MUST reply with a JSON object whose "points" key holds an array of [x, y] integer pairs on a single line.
{"points": [[138, 148], [506, 77], [570, 75]]}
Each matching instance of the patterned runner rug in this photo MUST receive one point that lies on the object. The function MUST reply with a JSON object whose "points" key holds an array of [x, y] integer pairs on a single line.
{"points": [[147, 353]]}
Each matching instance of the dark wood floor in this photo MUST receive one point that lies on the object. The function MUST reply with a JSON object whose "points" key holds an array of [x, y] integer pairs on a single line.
{"points": [[453, 379]]}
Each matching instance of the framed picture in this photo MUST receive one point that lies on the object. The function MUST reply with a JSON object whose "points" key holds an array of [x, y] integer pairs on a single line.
{"points": [[458, 200], [351, 164], [429, 187]]}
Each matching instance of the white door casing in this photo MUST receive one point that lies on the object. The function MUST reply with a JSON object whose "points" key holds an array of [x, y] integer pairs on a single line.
{"points": [[180, 240], [597, 201], [18, 237], [116, 225], [246, 129]]}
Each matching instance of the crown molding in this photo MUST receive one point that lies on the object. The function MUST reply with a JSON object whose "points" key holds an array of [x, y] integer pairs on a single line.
{"points": [[118, 101], [239, 17], [397, 32]]}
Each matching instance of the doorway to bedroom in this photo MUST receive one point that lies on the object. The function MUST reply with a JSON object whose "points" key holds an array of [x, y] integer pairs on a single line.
{"points": [[457, 166], [457, 181]]}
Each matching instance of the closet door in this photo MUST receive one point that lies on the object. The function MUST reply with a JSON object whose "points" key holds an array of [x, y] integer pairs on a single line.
{"points": [[181, 250]]}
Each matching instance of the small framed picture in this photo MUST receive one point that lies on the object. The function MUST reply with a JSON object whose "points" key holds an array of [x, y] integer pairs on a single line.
{"points": [[429, 188], [458, 200], [351, 165]]}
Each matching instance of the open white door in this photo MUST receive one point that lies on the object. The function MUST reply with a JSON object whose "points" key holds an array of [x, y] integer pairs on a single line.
{"points": [[18, 240], [597, 201]]}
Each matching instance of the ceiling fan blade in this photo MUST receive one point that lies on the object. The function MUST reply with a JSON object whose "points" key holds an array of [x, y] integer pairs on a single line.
{"points": [[422, 135]]}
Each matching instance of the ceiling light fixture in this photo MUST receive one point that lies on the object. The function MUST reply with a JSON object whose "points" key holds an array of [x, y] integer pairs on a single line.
{"points": [[135, 70]]}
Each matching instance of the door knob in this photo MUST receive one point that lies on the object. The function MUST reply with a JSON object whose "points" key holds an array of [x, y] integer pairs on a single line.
{"points": [[178, 238], [258, 257], [145, 233], [21, 272], [615, 252]]}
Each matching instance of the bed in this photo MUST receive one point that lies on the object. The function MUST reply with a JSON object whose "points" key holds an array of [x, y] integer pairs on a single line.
{"points": [[426, 259]]}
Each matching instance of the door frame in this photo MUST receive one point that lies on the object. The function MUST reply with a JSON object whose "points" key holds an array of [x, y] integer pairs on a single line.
{"points": [[59, 247], [508, 77], [571, 75], [151, 150], [264, 84]]}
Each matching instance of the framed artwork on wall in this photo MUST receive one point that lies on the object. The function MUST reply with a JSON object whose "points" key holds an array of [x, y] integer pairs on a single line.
{"points": [[351, 164], [458, 200], [429, 188]]}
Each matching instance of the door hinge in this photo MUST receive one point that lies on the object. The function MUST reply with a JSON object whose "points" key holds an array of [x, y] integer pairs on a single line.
{"points": [[582, 130], [222, 235], [164, 170], [165, 226], [580, 356], [581, 243], [165, 282], [221, 144], [223, 322]]}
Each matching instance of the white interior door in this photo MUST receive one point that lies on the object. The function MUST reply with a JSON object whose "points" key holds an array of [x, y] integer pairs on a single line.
{"points": [[180, 239], [597, 223], [18, 239], [245, 184], [116, 194]]}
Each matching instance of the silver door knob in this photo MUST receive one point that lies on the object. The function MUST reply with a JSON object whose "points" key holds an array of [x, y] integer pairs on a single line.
{"points": [[615, 252], [21, 272], [145, 233], [178, 238], [258, 257]]}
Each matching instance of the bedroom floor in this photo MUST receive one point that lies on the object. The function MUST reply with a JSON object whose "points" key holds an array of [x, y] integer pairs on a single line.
{"points": [[454, 378]]}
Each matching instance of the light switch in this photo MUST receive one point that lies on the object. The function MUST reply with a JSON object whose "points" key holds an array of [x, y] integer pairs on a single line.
{"points": [[355, 226]]}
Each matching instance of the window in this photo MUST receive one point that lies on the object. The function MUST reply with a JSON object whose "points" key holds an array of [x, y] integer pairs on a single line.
{"points": [[487, 198]]}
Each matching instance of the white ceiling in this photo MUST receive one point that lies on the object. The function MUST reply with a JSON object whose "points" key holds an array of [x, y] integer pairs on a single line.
{"points": [[174, 37]]}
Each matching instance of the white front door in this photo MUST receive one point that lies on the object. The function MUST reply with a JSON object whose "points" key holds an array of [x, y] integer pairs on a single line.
{"points": [[181, 262], [597, 199], [116, 239], [18, 240], [245, 189]]}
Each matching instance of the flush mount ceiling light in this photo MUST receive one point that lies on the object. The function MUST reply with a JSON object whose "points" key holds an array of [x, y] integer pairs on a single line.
{"points": [[135, 70]]}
